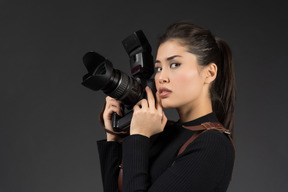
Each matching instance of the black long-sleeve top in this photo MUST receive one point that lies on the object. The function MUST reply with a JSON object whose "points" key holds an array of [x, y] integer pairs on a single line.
{"points": [[152, 164]]}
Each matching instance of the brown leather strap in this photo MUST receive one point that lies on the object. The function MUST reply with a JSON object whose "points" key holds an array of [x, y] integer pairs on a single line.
{"points": [[184, 146], [201, 129], [120, 177], [207, 125]]}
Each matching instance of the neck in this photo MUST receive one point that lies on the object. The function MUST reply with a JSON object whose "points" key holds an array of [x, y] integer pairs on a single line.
{"points": [[190, 112]]}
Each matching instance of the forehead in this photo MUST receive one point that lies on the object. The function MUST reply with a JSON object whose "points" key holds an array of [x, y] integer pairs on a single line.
{"points": [[169, 48]]}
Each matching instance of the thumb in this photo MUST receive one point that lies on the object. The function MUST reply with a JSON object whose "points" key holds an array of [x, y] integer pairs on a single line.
{"points": [[164, 119]]}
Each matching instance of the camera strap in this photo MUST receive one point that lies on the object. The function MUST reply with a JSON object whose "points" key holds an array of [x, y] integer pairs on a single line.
{"points": [[200, 129]]}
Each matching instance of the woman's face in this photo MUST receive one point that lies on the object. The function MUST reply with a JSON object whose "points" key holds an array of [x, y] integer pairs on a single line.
{"points": [[179, 79]]}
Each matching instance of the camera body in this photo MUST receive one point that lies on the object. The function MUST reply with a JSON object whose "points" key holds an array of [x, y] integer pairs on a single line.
{"points": [[115, 83]]}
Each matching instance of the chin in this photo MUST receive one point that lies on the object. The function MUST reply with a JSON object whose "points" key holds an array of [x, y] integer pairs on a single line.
{"points": [[167, 104]]}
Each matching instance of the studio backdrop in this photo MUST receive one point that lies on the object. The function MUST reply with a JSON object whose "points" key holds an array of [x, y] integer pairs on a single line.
{"points": [[49, 122]]}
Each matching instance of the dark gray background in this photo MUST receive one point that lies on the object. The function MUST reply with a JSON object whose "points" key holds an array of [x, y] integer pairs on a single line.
{"points": [[49, 121]]}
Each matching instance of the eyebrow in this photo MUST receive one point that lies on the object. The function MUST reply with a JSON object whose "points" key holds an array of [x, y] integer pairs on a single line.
{"points": [[169, 58]]}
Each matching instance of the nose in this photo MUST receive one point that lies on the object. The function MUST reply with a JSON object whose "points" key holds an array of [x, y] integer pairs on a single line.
{"points": [[163, 78]]}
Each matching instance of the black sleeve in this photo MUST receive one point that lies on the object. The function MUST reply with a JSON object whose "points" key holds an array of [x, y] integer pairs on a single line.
{"points": [[136, 163], [110, 159], [206, 164]]}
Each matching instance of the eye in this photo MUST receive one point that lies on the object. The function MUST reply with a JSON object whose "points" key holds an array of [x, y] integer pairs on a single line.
{"points": [[174, 65], [158, 69]]}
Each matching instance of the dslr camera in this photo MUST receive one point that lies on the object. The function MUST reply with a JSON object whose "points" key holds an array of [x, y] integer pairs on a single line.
{"points": [[115, 83]]}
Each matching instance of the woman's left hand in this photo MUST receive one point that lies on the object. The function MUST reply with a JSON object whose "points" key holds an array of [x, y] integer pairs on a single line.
{"points": [[148, 117]]}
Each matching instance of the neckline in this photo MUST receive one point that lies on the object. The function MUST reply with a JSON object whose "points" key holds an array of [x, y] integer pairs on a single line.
{"points": [[210, 117]]}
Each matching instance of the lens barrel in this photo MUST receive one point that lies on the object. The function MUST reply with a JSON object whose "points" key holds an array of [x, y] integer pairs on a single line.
{"points": [[114, 83]]}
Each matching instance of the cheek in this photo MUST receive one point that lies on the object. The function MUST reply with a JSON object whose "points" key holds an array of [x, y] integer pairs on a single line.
{"points": [[184, 79], [156, 81], [188, 84]]}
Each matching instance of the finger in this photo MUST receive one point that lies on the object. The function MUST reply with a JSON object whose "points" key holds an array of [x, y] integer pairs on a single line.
{"points": [[143, 104], [112, 100], [158, 101], [164, 119], [108, 98], [115, 103], [136, 107], [111, 110], [150, 97], [163, 116]]}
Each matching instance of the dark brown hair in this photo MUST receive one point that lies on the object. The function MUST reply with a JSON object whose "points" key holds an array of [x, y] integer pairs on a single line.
{"points": [[209, 49]]}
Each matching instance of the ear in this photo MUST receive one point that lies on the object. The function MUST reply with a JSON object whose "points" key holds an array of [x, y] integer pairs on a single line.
{"points": [[210, 72]]}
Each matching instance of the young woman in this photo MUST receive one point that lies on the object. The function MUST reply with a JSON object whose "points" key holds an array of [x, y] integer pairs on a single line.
{"points": [[194, 75]]}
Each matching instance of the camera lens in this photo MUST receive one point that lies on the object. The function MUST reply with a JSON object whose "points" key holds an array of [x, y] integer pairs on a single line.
{"points": [[114, 83]]}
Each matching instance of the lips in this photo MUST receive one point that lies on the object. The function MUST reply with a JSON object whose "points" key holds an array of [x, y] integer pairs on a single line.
{"points": [[164, 92]]}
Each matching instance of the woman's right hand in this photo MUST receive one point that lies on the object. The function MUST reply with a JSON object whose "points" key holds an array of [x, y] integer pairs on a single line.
{"points": [[112, 105]]}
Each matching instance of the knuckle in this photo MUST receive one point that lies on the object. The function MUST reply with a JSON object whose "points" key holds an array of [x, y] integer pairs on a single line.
{"points": [[144, 100], [108, 98], [136, 113]]}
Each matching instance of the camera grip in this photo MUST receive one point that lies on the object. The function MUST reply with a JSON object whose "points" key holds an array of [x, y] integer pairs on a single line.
{"points": [[120, 124]]}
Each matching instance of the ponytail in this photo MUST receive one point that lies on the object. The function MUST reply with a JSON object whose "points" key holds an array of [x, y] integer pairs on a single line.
{"points": [[223, 90]]}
